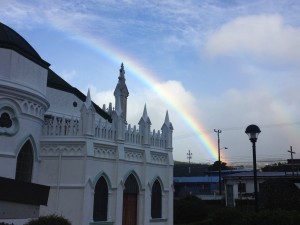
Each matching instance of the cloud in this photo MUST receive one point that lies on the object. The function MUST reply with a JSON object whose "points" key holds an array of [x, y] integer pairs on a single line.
{"points": [[262, 36], [235, 109], [68, 75], [156, 105]]}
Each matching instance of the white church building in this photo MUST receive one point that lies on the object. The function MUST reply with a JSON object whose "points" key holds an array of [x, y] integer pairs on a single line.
{"points": [[62, 154]]}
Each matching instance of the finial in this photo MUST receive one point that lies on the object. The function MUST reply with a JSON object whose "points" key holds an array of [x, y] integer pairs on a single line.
{"points": [[167, 122], [145, 114], [122, 71], [167, 118], [88, 99]]}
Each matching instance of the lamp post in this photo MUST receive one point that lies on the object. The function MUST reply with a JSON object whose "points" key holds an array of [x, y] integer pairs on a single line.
{"points": [[253, 131]]}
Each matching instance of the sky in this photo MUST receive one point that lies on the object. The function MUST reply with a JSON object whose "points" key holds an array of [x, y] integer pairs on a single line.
{"points": [[213, 64]]}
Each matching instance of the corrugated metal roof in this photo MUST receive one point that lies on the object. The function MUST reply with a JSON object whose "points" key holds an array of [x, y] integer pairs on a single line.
{"points": [[204, 179], [259, 174]]}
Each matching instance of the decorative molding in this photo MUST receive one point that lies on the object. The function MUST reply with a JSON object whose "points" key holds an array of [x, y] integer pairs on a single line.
{"points": [[159, 158], [134, 155], [104, 151], [33, 109], [60, 126], [64, 150]]}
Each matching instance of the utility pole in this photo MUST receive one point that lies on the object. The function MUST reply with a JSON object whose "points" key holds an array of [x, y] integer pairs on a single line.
{"points": [[220, 185], [189, 157], [292, 160]]}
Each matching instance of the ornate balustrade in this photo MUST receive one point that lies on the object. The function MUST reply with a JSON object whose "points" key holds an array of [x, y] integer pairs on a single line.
{"points": [[70, 126]]}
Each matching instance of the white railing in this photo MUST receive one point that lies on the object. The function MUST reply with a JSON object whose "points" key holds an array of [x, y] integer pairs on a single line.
{"points": [[70, 126], [60, 126], [104, 130]]}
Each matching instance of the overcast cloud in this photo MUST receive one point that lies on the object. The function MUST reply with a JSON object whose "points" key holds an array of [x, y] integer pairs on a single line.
{"points": [[228, 63]]}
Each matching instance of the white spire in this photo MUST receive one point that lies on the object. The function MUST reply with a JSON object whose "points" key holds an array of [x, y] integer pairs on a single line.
{"points": [[88, 100], [145, 118], [167, 118], [145, 114], [121, 93], [167, 122]]}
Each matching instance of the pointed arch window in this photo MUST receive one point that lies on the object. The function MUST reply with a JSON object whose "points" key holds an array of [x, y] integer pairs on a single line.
{"points": [[100, 200], [156, 200], [131, 185], [25, 163]]}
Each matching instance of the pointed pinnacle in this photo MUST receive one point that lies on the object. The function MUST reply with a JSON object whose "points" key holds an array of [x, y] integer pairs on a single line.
{"points": [[145, 114], [88, 99], [167, 118]]}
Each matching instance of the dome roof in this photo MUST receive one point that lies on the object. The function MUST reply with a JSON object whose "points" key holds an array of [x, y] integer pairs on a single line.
{"points": [[10, 39]]}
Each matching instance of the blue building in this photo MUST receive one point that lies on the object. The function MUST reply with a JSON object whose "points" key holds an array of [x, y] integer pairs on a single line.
{"points": [[203, 186]]}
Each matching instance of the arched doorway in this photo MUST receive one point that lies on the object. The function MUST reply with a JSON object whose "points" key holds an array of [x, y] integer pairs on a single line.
{"points": [[130, 196], [25, 163]]}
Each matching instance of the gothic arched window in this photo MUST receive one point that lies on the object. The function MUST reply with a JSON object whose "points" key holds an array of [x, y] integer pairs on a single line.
{"points": [[100, 200], [156, 200], [25, 163]]}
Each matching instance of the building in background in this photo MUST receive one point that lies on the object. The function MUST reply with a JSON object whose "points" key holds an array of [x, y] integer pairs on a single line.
{"points": [[239, 186], [99, 169]]}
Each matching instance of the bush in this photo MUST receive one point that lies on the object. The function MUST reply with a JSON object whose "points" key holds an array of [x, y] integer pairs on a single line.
{"points": [[49, 220], [277, 217], [280, 194], [189, 209], [2, 223], [232, 216], [226, 216]]}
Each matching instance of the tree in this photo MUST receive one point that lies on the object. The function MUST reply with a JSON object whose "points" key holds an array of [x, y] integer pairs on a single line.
{"points": [[215, 166], [281, 167], [280, 194]]}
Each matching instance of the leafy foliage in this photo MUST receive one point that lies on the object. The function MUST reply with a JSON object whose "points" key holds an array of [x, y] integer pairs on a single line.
{"points": [[49, 220], [265, 217], [216, 165], [280, 194], [189, 209], [281, 167], [226, 216]]}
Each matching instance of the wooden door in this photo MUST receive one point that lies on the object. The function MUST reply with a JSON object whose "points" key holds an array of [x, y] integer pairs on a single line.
{"points": [[129, 209]]}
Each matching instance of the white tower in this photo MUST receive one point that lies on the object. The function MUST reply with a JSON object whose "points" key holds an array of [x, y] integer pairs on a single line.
{"points": [[122, 93]]}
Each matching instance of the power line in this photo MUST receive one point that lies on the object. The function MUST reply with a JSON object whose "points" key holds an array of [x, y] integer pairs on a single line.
{"points": [[235, 129]]}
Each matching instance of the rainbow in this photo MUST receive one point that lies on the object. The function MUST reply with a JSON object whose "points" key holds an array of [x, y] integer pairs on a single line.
{"points": [[151, 81]]}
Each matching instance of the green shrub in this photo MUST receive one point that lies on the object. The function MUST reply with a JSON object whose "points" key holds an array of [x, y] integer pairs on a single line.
{"points": [[226, 216], [189, 209], [49, 220], [233, 216], [280, 194], [277, 217]]}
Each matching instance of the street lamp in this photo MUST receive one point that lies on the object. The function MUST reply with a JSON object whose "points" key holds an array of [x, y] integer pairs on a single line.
{"points": [[253, 131]]}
